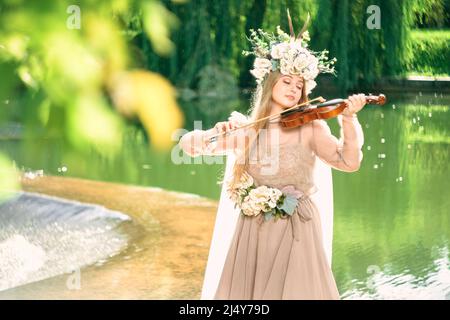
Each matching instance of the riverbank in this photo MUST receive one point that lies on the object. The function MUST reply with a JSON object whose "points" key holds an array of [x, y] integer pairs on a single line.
{"points": [[397, 85], [166, 260]]}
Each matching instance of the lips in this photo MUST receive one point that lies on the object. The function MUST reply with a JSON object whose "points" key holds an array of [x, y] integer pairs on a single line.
{"points": [[290, 97]]}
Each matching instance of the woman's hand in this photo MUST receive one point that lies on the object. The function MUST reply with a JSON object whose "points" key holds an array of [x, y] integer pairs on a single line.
{"points": [[225, 126], [354, 103], [219, 127]]}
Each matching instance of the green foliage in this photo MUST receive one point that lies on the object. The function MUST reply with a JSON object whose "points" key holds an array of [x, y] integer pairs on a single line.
{"points": [[217, 36], [9, 181], [217, 82], [431, 50], [63, 66], [431, 13]]}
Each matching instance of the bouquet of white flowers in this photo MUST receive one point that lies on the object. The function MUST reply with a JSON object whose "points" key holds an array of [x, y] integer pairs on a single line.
{"points": [[271, 202]]}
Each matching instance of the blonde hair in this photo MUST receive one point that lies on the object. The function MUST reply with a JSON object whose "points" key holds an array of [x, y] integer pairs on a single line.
{"points": [[260, 108]]}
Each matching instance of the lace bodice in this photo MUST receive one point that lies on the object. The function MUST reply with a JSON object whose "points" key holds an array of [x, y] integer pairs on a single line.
{"points": [[293, 164]]}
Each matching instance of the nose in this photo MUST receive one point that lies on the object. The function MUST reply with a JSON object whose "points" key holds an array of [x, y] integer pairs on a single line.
{"points": [[293, 89]]}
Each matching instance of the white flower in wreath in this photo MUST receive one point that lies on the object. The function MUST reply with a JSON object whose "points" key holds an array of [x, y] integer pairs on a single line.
{"points": [[292, 53], [314, 71], [285, 66], [262, 63], [278, 50], [310, 85], [296, 45], [259, 73], [303, 58], [299, 64]]}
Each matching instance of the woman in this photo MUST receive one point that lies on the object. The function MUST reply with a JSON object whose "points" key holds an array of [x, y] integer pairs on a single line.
{"points": [[277, 249]]}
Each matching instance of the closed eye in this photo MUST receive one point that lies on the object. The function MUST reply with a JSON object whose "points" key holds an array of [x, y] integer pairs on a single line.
{"points": [[287, 82], [298, 87]]}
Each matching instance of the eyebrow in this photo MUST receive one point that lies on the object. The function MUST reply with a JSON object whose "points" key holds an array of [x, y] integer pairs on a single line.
{"points": [[300, 81]]}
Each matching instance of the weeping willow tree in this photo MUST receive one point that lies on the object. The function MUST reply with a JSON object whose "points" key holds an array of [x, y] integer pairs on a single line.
{"points": [[204, 38], [364, 54], [213, 33]]}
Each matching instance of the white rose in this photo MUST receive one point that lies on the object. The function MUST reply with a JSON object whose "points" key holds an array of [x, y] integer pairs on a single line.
{"points": [[314, 72], [310, 85], [274, 196], [249, 208], [296, 45], [279, 50], [234, 196], [262, 63], [299, 63], [291, 53], [259, 73], [261, 196], [285, 66], [246, 180]]}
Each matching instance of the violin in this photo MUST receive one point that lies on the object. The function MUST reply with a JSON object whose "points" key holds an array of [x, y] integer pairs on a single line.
{"points": [[294, 118], [304, 113]]}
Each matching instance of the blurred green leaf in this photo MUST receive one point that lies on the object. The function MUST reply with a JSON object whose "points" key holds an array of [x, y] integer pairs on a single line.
{"points": [[9, 178], [157, 24]]}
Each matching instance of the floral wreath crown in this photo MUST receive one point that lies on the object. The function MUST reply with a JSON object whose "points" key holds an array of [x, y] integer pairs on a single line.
{"points": [[289, 54]]}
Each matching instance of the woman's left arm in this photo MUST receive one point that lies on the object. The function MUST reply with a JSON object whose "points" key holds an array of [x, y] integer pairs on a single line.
{"points": [[344, 154]]}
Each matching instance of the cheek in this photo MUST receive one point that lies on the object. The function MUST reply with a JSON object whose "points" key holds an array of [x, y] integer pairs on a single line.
{"points": [[277, 91]]}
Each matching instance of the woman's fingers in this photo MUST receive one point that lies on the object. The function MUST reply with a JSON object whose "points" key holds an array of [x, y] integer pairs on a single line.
{"points": [[350, 104], [224, 126], [220, 127], [363, 98], [357, 102]]}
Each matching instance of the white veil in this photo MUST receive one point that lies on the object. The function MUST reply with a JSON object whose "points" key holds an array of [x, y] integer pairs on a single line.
{"points": [[227, 216]]}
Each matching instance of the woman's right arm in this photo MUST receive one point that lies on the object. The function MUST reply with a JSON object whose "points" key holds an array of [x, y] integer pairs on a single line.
{"points": [[196, 142]]}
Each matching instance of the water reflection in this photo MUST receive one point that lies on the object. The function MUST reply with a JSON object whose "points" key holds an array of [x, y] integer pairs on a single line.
{"points": [[431, 283]]}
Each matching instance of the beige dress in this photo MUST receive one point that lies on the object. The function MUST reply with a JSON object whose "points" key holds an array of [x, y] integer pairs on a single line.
{"points": [[285, 259]]}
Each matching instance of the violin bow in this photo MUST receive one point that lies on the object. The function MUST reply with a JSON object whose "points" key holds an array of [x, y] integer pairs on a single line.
{"points": [[214, 137]]}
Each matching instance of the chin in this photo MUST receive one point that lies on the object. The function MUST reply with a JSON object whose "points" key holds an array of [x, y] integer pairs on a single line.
{"points": [[289, 104]]}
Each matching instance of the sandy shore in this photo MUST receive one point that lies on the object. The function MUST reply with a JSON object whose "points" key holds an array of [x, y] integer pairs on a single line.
{"points": [[167, 257]]}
